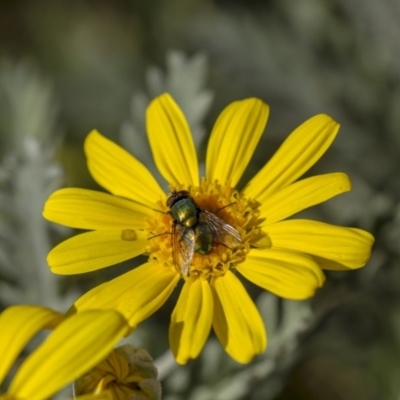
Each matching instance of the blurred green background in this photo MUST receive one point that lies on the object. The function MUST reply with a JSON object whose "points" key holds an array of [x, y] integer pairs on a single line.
{"points": [[67, 67]]}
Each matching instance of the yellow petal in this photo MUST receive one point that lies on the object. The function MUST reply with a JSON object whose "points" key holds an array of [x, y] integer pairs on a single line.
{"points": [[191, 320], [18, 325], [348, 246], [303, 194], [234, 138], [88, 209], [136, 294], [79, 343], [236, 321], [119, 172], [171, 142], [298, 153], [329, 264], [94, 250], [285, 273], [103, 395]]}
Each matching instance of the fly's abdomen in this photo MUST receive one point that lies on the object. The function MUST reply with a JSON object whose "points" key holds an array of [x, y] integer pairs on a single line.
{"points": [[203, 238]]}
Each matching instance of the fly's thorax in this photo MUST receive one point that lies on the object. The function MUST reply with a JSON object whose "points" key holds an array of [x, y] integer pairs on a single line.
{"points": [[185, 212]]}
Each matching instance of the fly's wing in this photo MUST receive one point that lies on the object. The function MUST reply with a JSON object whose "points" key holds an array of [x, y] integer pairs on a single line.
{"points": [[222, 232], [182, 247]]}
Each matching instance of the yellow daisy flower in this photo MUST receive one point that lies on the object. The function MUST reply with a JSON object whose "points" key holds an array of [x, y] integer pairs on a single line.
{"points": [[77, 344], [285, 257]]}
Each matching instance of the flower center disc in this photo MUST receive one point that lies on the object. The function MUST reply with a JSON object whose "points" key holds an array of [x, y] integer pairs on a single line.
{"points": [[228, 205]]}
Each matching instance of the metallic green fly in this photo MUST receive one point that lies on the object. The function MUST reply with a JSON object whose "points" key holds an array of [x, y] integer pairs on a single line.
{"points": [[197, 230]]}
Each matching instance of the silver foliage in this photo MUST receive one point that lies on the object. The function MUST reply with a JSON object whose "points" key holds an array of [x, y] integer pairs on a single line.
{"points": [[28, 175]]}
